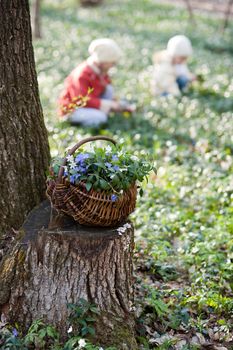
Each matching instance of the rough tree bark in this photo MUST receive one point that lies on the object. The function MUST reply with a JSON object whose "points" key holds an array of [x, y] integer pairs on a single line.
{"points": [[24, 151], [49, 268], [36, 27]]}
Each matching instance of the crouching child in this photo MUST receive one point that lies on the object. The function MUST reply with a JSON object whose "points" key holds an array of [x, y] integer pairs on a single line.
{"points": [[171, 74]]}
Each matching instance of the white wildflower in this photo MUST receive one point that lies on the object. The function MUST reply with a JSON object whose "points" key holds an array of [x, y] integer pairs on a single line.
{"points": [[101, 348], [121, 230], [70, 158], [120, 153], [72, 165], [70, 329], [108, 149], [134, 158], [127, 225], [81, 343]]}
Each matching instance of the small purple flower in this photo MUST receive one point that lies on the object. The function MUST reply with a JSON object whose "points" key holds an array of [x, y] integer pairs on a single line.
{"points": [[108, 165], [83, 169], [114, 157], [74, 177], [116, 167], [81, 157], [15, 332], [114, 198], [65, 173]]}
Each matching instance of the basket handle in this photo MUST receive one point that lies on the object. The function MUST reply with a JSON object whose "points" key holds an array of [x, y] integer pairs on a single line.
{"points": [[79, 144]]}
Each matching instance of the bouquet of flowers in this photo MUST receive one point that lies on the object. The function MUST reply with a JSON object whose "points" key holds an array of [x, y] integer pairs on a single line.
{"points": [[77, 102], [108, 171]]}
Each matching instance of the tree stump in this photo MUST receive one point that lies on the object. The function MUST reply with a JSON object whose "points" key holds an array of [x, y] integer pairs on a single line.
{"points": [[50, 268]]}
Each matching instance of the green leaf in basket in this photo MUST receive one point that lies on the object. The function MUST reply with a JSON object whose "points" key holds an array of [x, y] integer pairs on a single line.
{"points": [[115, 180], [100, 165], [56, 168], [104, 185], [96, 184], [91, 178], [88, 186]]}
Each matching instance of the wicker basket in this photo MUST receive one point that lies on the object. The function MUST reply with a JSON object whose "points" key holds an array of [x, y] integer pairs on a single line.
{"points": [[93, 208]]}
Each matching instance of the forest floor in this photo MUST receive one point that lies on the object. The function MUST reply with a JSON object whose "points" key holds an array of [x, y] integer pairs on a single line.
{"points": [[184, 221]]}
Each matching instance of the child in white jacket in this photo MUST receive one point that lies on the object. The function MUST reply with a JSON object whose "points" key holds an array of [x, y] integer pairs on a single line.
{"points": [[171, 74]]}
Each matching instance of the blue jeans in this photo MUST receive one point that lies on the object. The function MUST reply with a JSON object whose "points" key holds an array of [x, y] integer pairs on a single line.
{"points": [[92, 116], [182, 82]]}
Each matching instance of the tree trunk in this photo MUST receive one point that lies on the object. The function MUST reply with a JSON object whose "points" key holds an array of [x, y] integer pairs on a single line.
{"points": [[90, 2], [36, 28], [190, 10], [53, 267], [24, 151], [227, 15]]}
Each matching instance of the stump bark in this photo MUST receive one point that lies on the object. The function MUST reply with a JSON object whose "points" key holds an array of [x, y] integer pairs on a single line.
{"points": [[49, 268]]}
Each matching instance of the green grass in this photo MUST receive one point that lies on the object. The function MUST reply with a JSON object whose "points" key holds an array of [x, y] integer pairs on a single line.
{"points": [[184, 222]]}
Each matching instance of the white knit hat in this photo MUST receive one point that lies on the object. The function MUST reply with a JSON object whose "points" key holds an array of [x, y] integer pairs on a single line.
{"points": [[105, 50], [179, 45]]}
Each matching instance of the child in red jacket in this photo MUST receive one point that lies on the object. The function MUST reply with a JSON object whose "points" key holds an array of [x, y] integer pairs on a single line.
{"points": [[91, 79]]}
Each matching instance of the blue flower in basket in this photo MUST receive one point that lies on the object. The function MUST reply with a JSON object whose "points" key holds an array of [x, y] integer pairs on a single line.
{"points": [[74, 178], [82, 169], [114, 198], [80, 158], [108, 165], [114, 157]]}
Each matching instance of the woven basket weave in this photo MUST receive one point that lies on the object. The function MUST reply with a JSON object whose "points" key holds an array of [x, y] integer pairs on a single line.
{"points": [[93, 208]]}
